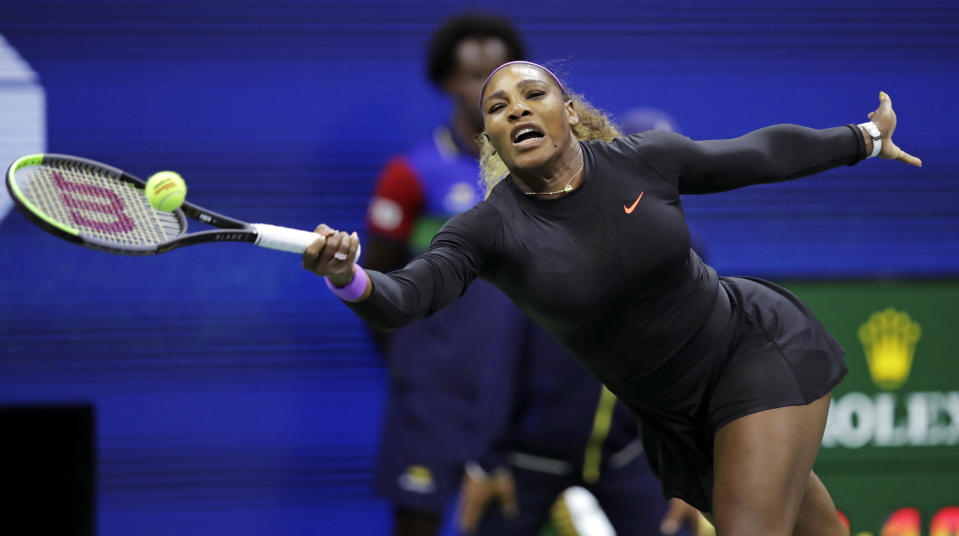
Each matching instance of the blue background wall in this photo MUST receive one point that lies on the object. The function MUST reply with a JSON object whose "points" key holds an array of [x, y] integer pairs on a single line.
{"points": [[233, 393]]}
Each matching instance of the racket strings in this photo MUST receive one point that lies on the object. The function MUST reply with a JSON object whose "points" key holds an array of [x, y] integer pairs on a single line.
{"points": [[95, 204]]}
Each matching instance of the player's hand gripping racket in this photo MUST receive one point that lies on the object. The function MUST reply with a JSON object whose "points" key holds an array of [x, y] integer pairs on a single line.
{"points": [[104, 208]]}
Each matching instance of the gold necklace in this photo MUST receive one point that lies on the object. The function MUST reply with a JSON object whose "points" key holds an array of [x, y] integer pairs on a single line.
{"points": [[566, 189]]}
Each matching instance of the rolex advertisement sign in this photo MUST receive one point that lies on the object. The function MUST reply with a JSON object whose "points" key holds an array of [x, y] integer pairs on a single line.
{"points": [[890, 453]]}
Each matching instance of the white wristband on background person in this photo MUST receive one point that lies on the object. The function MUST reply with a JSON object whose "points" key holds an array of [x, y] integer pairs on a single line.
{"points": [[476, 472], [873, 132]]}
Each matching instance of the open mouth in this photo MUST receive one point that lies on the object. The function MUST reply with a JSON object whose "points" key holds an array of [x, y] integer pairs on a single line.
{"points": [[526, 134]]}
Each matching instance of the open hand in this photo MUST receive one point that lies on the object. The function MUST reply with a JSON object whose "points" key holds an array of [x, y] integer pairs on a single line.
{"points": [[885, 118]]}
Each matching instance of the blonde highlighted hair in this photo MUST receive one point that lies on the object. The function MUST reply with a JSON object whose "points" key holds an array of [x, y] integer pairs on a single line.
{"points": [[593, 125]]}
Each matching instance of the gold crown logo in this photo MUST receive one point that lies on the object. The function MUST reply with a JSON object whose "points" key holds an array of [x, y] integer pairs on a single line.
{"points": [[889, 339]]}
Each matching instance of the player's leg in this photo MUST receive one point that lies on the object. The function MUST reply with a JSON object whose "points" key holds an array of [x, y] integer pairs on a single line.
{"points": [[762, 467], [631, 497], [817, 513]]}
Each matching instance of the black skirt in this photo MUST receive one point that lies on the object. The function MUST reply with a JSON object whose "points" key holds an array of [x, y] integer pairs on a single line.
{"points": [[772, 353]]}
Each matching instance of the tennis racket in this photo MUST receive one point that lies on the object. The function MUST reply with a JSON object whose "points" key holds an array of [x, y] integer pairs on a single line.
{"points": [[104, 208]]}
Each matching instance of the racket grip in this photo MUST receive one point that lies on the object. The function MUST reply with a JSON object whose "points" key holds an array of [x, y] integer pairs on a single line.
{"points": [[285, 238]]}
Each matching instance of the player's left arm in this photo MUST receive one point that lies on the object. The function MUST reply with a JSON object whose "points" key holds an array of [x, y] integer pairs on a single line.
{"points": [[772, 154]]}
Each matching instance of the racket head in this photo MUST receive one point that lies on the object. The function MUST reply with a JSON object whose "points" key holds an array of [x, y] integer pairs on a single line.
{"points": [[92, 204]]}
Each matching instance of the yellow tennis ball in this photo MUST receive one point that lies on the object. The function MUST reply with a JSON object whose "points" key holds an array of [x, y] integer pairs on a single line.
{"points": [[166, 190]]}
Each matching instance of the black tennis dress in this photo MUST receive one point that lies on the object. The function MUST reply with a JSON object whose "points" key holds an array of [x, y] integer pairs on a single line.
{"points": [[608, 270]]}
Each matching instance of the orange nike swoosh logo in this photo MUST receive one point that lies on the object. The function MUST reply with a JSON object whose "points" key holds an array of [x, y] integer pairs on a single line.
{"points": [[632, 208]]}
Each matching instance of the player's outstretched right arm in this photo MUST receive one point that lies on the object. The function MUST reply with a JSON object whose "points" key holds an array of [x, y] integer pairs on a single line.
{"points": [[429, 282]]}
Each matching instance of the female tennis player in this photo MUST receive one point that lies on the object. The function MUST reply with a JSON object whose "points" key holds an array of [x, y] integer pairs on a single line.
{"points": [[730, 377]]}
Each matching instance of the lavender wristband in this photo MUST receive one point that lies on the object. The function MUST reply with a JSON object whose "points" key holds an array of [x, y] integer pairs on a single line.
{"points": [[355, 289]]}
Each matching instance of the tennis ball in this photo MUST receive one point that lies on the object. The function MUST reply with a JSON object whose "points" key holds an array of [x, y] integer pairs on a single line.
{"points": [[165, 190]]}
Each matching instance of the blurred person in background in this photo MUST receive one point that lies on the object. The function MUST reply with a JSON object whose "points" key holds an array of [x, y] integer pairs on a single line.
{"points": [[645, 118], [551, 426], [456, 398]]}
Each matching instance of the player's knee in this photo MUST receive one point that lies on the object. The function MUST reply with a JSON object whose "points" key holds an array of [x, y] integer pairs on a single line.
{"points": [[743, 524], [764, 515]]}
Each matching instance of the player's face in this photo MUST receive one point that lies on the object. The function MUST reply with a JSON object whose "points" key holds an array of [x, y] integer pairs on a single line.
{"points": [[528, 118], [475, 60]]}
